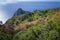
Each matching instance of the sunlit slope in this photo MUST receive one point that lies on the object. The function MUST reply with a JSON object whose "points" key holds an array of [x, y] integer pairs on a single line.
{"points": [[35, 17], [36, 25]]}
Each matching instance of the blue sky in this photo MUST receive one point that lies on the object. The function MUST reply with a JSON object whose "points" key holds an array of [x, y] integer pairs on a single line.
{"points": [[8, 7]]}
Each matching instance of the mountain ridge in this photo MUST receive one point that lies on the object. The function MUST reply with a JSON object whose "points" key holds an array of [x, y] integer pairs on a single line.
{"points": [[36, 25]]}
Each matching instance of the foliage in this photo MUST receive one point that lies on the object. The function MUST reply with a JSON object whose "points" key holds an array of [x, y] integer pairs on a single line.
{"points": [[36, 25]]}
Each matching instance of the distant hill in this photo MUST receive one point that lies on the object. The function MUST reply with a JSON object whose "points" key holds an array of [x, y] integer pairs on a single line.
{"points": [[36, 25]]}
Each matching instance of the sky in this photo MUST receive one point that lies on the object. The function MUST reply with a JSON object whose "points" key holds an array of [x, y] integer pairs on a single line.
{"points": [[8, 7]]}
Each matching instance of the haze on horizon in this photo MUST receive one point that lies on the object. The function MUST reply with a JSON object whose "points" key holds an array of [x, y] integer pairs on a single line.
{"points": [[8, 7]]}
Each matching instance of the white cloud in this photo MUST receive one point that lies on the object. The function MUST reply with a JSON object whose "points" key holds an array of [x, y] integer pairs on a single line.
{"points": [[8, 1], [2, 16], [15, 1]]}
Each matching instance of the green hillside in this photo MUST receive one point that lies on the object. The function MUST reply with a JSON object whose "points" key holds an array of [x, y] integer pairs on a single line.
{"points": [[36, 25]]}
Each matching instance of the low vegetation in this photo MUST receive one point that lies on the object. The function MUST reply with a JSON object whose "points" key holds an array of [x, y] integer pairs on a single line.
{"points": [[36, 25]]}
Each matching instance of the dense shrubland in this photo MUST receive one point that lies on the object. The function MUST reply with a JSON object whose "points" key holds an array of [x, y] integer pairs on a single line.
{"points": [[36, 25]]}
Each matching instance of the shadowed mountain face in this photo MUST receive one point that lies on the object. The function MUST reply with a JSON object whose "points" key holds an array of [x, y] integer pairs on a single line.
{"points": [[19, 12], [36, 25]]}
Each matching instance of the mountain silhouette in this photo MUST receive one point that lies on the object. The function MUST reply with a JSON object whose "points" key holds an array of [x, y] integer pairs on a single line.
{"points": [[19, 12]]}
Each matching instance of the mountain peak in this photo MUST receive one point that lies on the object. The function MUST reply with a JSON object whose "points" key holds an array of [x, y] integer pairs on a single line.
{"points": [[20, 9], [19, 12]]}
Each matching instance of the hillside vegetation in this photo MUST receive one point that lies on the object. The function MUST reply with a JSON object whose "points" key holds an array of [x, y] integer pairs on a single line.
{"points": [[36, 25]]}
